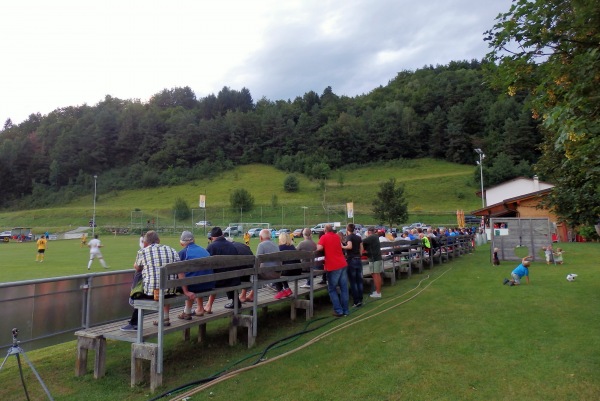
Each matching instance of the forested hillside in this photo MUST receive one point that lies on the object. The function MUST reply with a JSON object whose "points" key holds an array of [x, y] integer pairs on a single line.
{"points": [[442, 112]]}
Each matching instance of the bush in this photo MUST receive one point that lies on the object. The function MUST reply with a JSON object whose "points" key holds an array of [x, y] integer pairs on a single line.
{"points": [[241, 199], [181, 209], [588, 232], [291, 183]]}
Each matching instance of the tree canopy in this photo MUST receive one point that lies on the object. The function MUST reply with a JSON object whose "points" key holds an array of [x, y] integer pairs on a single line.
{"points": [[436, 111], [550, 49], [390, 206]]}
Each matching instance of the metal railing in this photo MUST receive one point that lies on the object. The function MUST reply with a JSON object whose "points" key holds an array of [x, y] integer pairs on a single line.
{"points": [[49, 311]]}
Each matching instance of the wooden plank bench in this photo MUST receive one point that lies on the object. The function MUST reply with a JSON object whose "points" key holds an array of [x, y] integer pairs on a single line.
{"points": [[273, 265], [224, 268], [94, 338]]}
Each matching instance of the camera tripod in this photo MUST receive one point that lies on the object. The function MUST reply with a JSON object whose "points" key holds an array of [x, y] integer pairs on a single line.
{"points": [[17, 351]]}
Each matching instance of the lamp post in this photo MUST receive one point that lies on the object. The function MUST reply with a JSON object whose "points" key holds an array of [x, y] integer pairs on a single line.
{"points": [[305, 207], [94, 215], [480, 162]]}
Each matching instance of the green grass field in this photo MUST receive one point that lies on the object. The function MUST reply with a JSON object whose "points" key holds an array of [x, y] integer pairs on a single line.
{"points": [[434, 191], [453, 333], [67, 257]]}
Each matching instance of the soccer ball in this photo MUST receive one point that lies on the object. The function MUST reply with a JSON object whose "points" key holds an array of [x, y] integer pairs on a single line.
{"points": [[571, 277]]}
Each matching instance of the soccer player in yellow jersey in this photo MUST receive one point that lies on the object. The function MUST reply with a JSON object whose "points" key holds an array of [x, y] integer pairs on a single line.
{"points": [[41, 249]]}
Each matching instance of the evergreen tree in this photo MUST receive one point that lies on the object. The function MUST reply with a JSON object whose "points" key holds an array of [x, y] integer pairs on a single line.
{"points": [[390, 206]]}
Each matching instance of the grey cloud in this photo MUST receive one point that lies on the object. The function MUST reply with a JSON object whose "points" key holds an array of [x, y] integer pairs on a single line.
{"points": [[297, 57]]}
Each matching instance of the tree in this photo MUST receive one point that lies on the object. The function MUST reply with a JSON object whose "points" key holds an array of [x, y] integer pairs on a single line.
{"points": [[291, 183], [390, 206], [181, 209], [240, 199], [550, 50]]}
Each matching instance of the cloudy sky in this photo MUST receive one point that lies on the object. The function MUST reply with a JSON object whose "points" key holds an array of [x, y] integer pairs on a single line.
{"points": [[66, 53]]}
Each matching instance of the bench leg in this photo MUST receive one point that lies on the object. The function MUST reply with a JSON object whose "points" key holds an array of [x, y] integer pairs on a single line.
{"points": [[233, 325], [145, 352], [242, 321], [301, 304], [201, 332], [98, 344]]}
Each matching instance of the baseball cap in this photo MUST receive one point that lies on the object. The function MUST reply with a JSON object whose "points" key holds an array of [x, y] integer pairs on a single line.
{"points": [[186, 236], [216, 232]]}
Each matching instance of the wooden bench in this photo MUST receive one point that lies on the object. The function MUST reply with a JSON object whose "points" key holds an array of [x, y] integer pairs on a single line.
{"points": [[224, 267], [276, 264]]}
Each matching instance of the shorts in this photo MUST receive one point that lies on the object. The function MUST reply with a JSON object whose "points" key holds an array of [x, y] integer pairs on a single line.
{"points": [[95, 255], [376, 267], [41, 250], [516, 278]]}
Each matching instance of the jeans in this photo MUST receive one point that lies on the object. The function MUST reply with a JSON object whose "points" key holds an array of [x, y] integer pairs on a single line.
{"points": [[339, 278], [355, 275]]}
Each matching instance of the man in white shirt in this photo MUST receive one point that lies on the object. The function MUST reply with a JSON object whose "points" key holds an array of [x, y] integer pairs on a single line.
{"points": [[95, 246]]}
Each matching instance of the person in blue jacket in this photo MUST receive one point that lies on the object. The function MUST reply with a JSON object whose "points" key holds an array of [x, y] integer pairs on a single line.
{"points": [[193, 251]]}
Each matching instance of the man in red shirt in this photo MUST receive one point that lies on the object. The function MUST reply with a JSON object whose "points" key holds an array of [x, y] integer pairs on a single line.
{"points": [[335, 267]]}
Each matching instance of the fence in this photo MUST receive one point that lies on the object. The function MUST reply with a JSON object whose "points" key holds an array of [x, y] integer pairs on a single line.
{"points": [[281, 216], [49, 311]]}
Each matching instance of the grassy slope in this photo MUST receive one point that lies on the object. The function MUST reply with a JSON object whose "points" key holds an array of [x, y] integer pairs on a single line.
{"points": [[465, 337], [431, 186]]}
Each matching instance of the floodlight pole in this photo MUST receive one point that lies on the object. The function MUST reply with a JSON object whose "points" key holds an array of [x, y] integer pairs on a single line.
{"points": [[481, 157], [94, 215], [304, 207]]}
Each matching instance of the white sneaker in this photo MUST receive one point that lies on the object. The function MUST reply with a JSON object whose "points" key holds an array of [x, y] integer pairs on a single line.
{"points": [[305, 285], [375, 295]]}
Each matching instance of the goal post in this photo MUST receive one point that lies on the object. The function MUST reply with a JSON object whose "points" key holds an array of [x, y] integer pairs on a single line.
{"points": [[244, 227]]}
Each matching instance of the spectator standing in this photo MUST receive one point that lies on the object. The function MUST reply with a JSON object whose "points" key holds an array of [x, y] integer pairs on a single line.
{"points": [[148, 261], [95, 252], [354, 250], [192, 251], [372, 247], [307, 244], [41, 249], [335, 268]]}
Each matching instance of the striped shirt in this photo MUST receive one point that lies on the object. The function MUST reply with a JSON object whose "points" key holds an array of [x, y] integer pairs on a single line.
{"points": [[151, 259]]}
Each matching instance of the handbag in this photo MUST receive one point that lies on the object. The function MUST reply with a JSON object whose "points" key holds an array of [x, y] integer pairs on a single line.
{"points": [[137, 287]]}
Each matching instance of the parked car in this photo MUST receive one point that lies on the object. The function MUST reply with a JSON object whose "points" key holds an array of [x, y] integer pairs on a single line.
{"points": [[319, 228], [254, 232], [472, 219], [231, 232], [203, 223], [5, 235], [228, 232], [297, 233]]}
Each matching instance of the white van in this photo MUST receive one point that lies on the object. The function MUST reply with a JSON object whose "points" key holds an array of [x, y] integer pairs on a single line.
{"points": [[319, 228]]}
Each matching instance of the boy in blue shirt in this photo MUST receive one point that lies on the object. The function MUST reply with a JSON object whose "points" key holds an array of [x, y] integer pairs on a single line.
{"points": [[520, 271]]}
